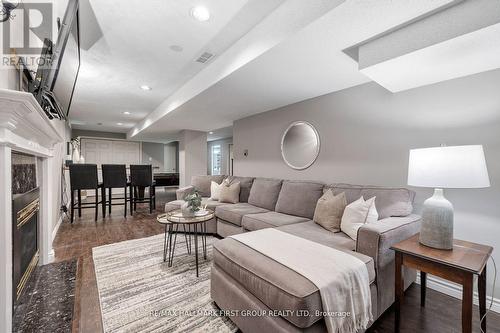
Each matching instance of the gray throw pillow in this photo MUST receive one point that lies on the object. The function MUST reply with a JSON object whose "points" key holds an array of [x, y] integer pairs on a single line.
{"points": [[229, 193], [329, 210]]}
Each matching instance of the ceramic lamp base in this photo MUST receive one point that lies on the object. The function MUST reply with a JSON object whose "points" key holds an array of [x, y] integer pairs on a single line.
{"points": [[437, 222]]}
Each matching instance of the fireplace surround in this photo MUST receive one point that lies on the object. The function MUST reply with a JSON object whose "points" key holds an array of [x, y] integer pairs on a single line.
{"points": [[24, 128], [25, 208], [25, 254]]}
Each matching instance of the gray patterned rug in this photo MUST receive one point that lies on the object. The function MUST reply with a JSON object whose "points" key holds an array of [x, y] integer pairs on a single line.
{"points": [[140, 293]]}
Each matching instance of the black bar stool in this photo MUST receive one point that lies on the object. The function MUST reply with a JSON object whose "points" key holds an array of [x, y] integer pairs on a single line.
{"points": [[83, 177], [141, 176], [114, 176]]}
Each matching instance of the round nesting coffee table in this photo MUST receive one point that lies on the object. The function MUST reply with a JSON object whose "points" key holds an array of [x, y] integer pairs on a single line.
{"points": [[173, 220]]}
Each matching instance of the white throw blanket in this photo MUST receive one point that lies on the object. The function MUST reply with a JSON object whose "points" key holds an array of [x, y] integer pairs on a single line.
{"points": [[341, 278]]}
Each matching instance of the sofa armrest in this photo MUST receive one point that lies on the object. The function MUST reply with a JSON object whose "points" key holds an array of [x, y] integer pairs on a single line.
{"points": [[375, 239], [183, 191]]}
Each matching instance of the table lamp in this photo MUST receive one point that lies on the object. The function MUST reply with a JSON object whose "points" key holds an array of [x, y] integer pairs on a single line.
{"points": [[439, 168]]}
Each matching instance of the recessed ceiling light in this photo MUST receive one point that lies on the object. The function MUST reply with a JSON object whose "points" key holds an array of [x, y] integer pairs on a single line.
{"points": [[200, 13], [146, 88], [176, 48], [119, 124], [126, 112], [210, 132]]}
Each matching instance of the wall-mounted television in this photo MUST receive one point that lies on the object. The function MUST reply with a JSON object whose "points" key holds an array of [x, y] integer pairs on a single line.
{"points": [[56, 77], [64, 83]]}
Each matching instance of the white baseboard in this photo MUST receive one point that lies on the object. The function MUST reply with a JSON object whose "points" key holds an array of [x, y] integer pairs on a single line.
{"points": [[52, 256], [54, 233], [455, 290], [56, 228]]}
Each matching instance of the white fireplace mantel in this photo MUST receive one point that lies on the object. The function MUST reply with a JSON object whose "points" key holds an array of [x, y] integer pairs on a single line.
{"points": [[25, 128], [24, 125]]}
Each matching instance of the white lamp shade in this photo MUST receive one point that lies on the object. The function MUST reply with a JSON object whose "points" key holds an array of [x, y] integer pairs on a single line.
{"points": [[448, 167]]}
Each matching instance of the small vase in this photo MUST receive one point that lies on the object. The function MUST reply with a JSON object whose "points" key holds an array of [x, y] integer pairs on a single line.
{"points": [[76, 155], [186, 210]]}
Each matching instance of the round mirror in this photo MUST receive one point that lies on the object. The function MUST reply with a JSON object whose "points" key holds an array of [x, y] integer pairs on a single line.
{"points": [[300, 145]]}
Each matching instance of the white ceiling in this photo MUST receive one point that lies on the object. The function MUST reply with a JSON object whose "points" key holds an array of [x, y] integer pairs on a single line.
{"points": [[460, 41], [221, 133], [472, 53], [303, 61], [309, 64], [134, 48]]}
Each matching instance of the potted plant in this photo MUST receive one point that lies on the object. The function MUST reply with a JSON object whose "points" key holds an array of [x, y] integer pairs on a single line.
{"points": [[191, 205]]}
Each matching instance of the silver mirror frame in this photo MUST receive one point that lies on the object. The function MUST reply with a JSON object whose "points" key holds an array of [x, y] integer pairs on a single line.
{"points": [[316, 154]]}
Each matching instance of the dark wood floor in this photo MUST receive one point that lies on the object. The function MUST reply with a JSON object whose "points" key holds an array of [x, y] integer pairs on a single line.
{"points": [[441, 314], [77, 240]]}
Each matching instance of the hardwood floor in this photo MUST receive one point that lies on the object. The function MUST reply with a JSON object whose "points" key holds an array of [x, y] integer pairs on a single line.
{"points": [[77, 240], [441, 314]]}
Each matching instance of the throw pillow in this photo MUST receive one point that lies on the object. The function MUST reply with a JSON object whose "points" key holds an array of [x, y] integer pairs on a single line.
{"points": [[372, 213], [229, 193], [357, 214], [215, 190], [329, 210]]}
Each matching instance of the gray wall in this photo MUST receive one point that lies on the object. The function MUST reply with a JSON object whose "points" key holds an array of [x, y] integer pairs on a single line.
{"points": [[97, 134], [366, 133], [224, 143], [59, 158], [153, 153], [9, 78], [171, 157], [192, 155]]}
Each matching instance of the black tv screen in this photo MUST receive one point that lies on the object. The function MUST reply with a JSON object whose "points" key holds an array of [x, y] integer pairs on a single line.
{"points": [[67, 72]]}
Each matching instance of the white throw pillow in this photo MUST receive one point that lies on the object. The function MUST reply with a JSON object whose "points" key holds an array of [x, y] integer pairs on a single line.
{"points": [[356, 214], [215, 190]]}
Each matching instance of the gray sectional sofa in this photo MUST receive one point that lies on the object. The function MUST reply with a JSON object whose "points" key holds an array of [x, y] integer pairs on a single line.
{"points": [[244, 279]]}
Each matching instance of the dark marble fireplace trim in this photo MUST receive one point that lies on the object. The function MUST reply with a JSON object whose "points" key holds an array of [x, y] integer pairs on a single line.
{"points": [[24, 177], [48, 303]]}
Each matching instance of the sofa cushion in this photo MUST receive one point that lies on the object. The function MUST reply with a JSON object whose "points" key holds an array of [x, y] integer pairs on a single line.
{"points": [[245, 186], [299, 198], [269, 220], [176, 204], [212, 204], [264, 192], [202, 183], [352, 192], [234, 213], [277, 286], [313, 231], [395, 202], [173, 205], [390, 201]]}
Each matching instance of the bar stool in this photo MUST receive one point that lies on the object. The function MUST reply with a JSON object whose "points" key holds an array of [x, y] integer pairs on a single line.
{"points": [[83, 177], [141, 176], [114, 176]]}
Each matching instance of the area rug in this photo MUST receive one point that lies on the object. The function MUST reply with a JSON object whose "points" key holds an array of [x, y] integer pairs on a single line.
{"points": [[47, 302], [140, 293]]}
